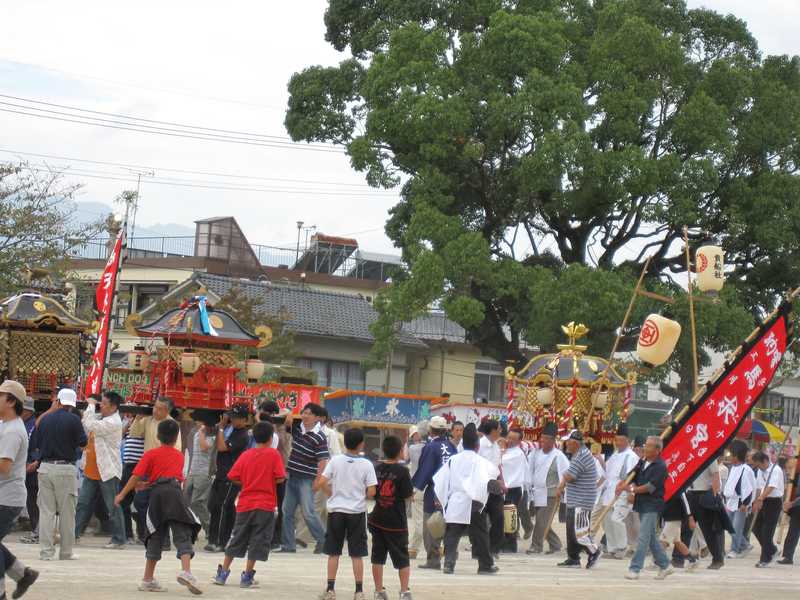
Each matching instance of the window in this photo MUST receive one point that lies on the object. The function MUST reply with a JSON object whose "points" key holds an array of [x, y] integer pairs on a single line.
{"points": [[640, 393], [135, 297], [336, 373], [791, 411], [489, 383]]}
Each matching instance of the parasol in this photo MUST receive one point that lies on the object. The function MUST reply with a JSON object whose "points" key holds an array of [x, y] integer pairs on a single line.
{"points": [[761, 431]]}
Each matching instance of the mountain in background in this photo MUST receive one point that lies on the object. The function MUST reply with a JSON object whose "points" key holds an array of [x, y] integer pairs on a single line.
{"points": [[90, 212]]}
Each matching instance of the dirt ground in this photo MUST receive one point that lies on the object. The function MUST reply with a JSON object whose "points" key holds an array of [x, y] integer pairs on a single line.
{"points": [[101, 574]]}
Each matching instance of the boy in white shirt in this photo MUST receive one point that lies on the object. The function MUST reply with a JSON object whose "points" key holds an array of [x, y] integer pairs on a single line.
{"points": [[348, 480], [768, 506]]}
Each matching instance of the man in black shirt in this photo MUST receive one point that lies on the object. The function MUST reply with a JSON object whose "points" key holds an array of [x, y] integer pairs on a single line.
{"points": [[388, 521], [59, 436], [222, 500]]}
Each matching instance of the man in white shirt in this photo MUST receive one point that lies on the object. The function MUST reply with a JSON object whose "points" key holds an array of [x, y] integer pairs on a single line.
{"points": [[618, 466], [462, 488], [490, 450], [767, 506], [106, 434], [547, 466], [514, 467], [739, 491]]}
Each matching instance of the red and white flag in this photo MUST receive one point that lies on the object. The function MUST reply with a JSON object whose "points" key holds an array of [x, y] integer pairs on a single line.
{"points": [[104, 296], [699, 437]]}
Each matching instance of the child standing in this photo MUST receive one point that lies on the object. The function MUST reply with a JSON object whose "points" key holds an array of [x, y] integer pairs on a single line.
{"points": [[258, 471], [162, 467], [388, 522], [348, 480]]}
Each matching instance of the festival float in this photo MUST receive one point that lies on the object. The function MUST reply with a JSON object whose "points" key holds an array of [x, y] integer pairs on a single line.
{"points": [[190, 354], [570, 388], [40, 344]]}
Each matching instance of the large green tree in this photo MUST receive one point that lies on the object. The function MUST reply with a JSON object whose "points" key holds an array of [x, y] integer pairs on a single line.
{"points": [[546, 147]]}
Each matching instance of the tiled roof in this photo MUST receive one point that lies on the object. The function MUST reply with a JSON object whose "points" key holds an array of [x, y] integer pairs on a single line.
{"points": [[310, 312], [437, 327]]}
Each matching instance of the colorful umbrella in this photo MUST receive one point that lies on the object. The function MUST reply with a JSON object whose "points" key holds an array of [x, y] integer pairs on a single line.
{"points": [[761, 431]]}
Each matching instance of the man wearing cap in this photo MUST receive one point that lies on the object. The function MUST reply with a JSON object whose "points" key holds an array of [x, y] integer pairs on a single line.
{"points": [[580, 481], [619, 464], [60, 437], [103, 469], [548, 465], [13, 455], [437, 452], [222, 500]]}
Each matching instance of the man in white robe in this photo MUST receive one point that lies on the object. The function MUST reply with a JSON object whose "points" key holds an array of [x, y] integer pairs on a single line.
{"points": [[514, 467], [462, 488], [547, 466], [618, 466]]}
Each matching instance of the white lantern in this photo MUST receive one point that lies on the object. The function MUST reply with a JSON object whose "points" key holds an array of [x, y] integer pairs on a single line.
{"points": [[544, 395], [190, 362], [600, 398], [254, 368], [710, 267], [138, 359], [657, 340]]}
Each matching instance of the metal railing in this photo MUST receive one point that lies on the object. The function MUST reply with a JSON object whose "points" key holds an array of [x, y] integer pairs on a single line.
{"points": [[138, 247]]}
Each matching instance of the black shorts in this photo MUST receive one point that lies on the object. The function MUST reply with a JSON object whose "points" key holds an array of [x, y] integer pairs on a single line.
{"points": [[343, 526], [252, 535], [393, 543]]}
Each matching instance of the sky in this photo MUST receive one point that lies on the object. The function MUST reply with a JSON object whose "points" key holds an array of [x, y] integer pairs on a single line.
{"points": [[212, 65]]}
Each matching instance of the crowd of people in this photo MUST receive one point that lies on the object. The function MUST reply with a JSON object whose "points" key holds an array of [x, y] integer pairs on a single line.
{"points": [[270, 481]]}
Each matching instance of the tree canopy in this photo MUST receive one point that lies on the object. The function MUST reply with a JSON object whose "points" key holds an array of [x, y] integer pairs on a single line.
{"points": [[545, 148]]}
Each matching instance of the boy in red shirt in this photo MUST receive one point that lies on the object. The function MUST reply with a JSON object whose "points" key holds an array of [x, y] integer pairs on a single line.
{"points": [[258, 471], [162, 468]]}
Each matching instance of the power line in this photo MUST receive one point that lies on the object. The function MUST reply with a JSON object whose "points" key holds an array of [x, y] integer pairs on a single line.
{"points": [[185, 171], [276, 138], [210, 187], [143, 87], [196, 137]]}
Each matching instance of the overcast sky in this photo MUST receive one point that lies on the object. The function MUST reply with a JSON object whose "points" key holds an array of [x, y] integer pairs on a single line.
{"points": [[215, 65]]}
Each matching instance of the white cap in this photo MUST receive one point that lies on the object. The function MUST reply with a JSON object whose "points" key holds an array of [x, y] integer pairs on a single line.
{"points": [[438, 423], [412, 430], [67, 397]]}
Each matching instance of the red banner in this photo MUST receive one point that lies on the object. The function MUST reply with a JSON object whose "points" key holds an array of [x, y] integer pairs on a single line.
{"points": [[105, 304], [712, 422], [289, 396]]}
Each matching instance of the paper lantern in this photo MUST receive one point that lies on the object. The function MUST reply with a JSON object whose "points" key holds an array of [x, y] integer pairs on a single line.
{"points": [[138, 359], [190, 362], [600, 398], [709, 267], [544, 395], [254, 368], [657, 339]]}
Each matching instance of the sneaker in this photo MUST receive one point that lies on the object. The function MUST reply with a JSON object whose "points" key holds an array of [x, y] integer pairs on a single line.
{"points": [[221, 577], [489, 571], [131, 542], [532, 551], [593, 558], [327, 595], [693, 564], [733, 554], [632, 575], [151, 586], [448, 569], [284, 550], [47, 557], [785, 561], [664, 573], [570, 564], [359, 596], [715, 566], [113, 546], [381, 595], [248, 580], [70, 557], [406, 595], [429, 565], [318, 549], [746, 551], [190, 581], [29, 539], [762, 565], [28, 578]]}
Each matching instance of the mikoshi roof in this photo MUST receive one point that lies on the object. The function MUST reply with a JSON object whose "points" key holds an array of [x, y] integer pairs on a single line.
{"points": [[562, 368], [32, 310], [184, 324]]}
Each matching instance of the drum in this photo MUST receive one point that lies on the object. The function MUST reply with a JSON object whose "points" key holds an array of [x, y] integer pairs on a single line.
{"points": [[510, 520]]}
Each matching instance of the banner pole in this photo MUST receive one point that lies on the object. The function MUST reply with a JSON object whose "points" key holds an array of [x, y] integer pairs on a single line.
{"points": [[698, 394], [695, 369]]}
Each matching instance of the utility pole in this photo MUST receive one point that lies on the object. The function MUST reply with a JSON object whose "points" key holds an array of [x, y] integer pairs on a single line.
{"points": [[139, 175], [297, 252]]}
